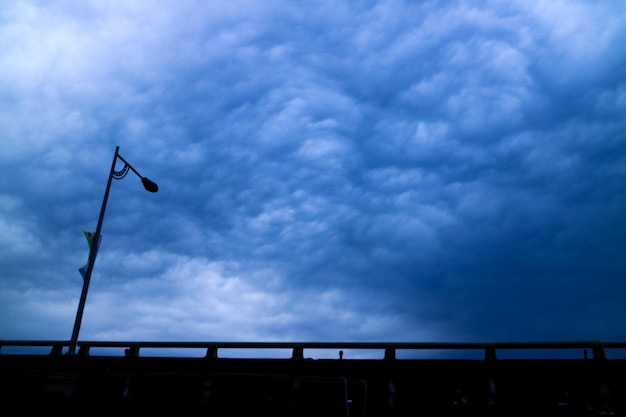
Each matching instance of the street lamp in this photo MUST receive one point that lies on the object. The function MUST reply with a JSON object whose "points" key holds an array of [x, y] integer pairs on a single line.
{"points": [[93, 251]]}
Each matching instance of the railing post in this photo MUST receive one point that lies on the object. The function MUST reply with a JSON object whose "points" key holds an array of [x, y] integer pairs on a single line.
{"points": [[56, 350], [598, 351], [132, 351], [83, 350], [211, 352], [390, 353], [298, 352], [490, 353]]}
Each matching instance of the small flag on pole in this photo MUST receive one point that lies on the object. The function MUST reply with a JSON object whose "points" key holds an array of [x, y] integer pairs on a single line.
{"points": [[83, 271], [89, 236]]}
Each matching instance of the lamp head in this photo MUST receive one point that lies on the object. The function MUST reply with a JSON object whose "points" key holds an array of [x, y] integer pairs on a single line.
{"points": [[149, 185]]}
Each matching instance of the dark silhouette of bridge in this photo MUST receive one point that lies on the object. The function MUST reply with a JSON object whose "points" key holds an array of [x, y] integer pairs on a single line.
{"points": [[406, 379]]}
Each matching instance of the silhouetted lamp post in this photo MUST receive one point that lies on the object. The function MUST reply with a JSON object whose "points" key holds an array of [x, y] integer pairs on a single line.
{"points": [[118, 175]]}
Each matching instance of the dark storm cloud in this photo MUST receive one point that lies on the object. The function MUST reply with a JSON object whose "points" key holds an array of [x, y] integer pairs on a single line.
{"points": [[362, 171]]}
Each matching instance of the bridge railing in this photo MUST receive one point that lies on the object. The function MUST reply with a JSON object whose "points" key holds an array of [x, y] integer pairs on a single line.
{"points": [[387, 350], [127, 375]]}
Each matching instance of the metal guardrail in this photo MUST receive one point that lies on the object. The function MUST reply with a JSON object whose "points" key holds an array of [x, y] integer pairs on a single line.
{"points": [[133, 348], [123, 376]]}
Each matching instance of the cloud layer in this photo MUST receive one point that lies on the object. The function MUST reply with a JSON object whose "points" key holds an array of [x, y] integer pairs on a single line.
{"points": [[370, 170]]}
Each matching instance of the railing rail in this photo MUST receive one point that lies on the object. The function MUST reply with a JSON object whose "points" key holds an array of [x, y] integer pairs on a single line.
{"points": [[490, 349]]}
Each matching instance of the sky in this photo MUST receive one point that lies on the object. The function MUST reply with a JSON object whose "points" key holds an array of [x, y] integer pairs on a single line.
{"points": [[396, 171]]}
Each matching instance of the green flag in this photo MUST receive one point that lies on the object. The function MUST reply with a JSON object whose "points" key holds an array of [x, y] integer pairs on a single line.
{"points": [[89, 236]]}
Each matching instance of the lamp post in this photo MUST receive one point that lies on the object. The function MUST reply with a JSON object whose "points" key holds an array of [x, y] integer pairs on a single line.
{"points": [[118, 175]]}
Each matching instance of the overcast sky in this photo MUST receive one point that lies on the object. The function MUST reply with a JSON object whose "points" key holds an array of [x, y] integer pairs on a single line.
{"points": [[359, 170]]}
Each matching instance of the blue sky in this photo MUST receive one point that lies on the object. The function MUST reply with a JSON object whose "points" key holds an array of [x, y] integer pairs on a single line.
{"points": [[328, 170]]}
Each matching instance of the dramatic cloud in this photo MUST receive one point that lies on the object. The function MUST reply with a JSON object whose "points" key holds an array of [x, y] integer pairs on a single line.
{"points": [[356, 171]]}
